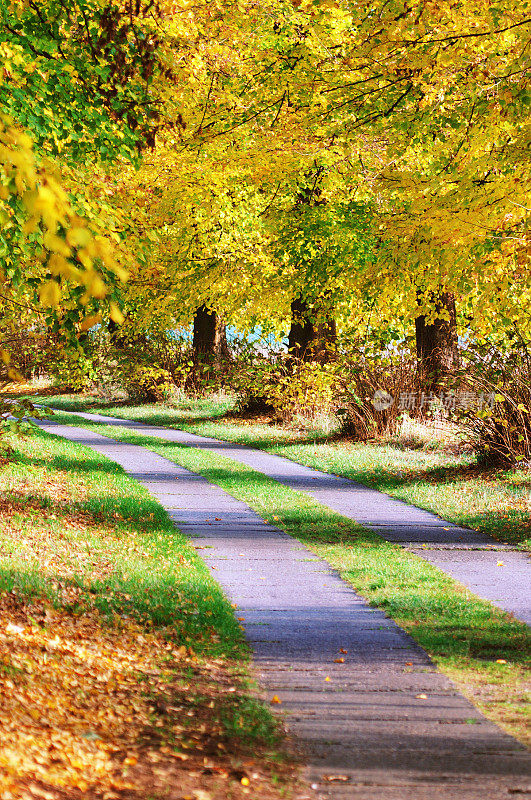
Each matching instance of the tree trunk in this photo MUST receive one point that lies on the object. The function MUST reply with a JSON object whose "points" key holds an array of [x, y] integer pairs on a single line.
{"points": [[310, 340], [302, 331], [116, 335], [437, 354], [210, 339]]}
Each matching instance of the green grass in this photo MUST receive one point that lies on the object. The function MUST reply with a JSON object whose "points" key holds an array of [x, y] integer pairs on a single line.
{"points": [[465, 635], [76, 531], [143, 569], [495, 502]]}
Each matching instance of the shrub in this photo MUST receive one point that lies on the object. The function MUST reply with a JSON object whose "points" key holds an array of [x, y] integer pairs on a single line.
{"points": [[497, 414], [74, 369], [284, 386], [147, 382], [370, 386]]}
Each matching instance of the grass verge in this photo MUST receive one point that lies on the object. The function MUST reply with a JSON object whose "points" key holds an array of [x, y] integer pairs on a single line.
{"points": [[497, 502], [483, 649], [122, 666]]}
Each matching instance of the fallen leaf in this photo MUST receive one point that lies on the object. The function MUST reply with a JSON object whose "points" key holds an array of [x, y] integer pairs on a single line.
{"points": [[500, 564], [339, 660], [501, 661], [200, 794], [421, 696], [327, 678], [336, 778], [275, 699], [245, 781], [10, 628]]}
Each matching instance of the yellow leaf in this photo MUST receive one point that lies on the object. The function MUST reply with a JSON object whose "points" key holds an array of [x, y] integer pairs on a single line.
{"points": [[115, 314], [50, 293], [84, 256], [78, 237], [95, 286], [57, 245], [89, 322]]}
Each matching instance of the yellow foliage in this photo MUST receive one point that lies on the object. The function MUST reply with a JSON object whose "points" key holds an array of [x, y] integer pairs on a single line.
{"points": [[72, 246], [50, 293], [115, 314]]}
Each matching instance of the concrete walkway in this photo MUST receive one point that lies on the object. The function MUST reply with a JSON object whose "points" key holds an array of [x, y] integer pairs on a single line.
{"points": [[382, 725], [469, 557]]}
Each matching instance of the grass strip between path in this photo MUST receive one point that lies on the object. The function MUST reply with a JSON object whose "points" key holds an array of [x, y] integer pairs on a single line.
{"points": [[122, 666], [482, 648], [497, 502]]}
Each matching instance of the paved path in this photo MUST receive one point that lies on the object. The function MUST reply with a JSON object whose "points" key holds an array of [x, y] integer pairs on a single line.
{"points": [[386, 724], [469, 557]]}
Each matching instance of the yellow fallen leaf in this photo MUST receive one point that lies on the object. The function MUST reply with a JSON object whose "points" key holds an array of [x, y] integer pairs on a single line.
{"points": [[421, 696], [500, 564], [339, 660], [501, 661], [327, 678], [245, 781], [276, 699]]}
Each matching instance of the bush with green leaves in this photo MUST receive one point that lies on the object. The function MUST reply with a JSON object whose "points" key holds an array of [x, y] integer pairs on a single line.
{"points": [[74, 368], [147, 382]]}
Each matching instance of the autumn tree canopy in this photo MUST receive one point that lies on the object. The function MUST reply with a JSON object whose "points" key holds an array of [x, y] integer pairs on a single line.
{"points": [[174, 141]]}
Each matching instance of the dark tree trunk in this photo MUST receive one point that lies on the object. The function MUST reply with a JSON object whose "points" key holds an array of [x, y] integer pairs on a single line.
{"points": [[437, 354], [115, 335], [308, 339], [210, 339], [302, 332]]}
